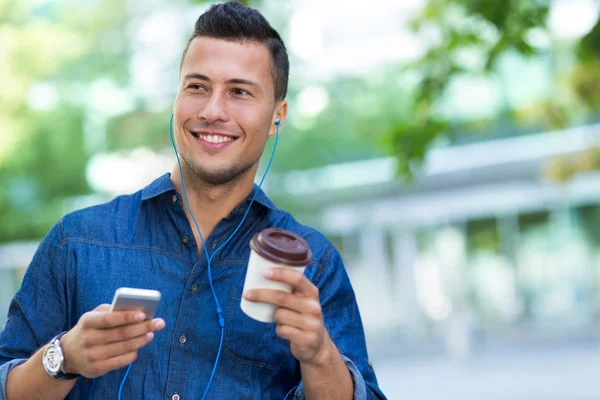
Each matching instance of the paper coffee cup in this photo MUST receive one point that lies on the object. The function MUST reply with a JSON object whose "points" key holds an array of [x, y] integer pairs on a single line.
{"points": [[272, 248]]}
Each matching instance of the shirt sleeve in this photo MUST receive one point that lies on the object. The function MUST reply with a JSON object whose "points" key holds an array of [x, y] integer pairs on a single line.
{"points": [[4, 370], [344, 325], [38, 311]]}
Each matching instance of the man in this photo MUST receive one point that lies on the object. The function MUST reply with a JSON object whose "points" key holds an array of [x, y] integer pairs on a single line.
{"points": [[233, 83]]}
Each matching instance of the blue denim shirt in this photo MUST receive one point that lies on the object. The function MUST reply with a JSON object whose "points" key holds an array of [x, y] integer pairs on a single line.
{"points": [[144, 240]]}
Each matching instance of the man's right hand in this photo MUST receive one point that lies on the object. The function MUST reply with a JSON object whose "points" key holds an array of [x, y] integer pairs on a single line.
{"points": [[103, 341]]}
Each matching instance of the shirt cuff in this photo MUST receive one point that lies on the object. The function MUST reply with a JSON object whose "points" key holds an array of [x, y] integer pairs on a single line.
{"points": [[360, 388], [4, 370]]}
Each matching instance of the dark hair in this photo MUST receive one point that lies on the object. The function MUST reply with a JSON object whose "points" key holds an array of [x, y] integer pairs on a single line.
{"points": [[233, 21]]}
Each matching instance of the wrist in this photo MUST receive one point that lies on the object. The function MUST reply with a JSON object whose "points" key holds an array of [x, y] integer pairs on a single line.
{"points": [[326, 354], [64, 344]]}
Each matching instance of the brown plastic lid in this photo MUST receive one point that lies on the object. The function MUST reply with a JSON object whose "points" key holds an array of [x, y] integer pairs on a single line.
{"points": [[282, 247]]}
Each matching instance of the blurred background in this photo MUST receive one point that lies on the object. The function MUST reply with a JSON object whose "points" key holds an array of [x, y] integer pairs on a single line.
{"points": [[449, 149]]}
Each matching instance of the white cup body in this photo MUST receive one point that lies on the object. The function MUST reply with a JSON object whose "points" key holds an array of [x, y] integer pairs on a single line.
{"points": [[255, 280]]}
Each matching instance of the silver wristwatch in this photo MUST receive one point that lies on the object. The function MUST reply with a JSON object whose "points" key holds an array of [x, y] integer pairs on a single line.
{"points": [[53, 360]]}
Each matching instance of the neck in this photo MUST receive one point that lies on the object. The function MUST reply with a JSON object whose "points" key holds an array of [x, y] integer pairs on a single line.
{"points": [[210, 203]]}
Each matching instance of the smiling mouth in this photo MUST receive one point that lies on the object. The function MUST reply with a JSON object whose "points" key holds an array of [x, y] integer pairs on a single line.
{"points": [[214, 139]]}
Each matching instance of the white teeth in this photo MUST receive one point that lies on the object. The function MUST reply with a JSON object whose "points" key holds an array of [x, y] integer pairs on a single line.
{"points": [[216, 138]]}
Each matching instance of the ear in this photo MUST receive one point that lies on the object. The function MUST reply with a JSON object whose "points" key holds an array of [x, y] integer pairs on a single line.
{"points": [[281, 110]]}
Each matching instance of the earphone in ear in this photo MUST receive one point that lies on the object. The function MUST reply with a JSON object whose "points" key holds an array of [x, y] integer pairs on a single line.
{"points": [[277, 121]]}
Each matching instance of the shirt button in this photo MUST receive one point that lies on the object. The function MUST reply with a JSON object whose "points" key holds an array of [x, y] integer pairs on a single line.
{"points": [[194, 288], [174, 199], [182, 339], [185, 240], [175, 397]]}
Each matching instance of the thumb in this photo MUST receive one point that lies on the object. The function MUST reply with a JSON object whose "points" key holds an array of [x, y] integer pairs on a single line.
{"points": [[102, 307]]}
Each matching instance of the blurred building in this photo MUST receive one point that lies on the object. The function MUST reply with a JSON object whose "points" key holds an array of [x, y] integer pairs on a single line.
{"points": [[481, 238]]}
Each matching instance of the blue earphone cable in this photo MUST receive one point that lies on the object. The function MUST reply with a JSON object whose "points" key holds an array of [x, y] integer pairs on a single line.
{"points": [[209, 257], [123, 381]]}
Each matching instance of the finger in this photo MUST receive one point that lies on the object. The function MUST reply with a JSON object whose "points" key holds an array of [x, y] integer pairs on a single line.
{"points": [[103, 307], [111, 364], [291, 301], [125, 332], [110, 319], [296, 279], [104, 352], [304, 322], [290, 333]]}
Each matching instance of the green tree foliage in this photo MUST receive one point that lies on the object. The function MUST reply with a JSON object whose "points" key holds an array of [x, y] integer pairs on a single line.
{"points": [[492, 28], [49, 55]]}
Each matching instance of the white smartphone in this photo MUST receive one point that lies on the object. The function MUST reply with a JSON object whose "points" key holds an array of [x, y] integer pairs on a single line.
{"points": [[136, 299]]}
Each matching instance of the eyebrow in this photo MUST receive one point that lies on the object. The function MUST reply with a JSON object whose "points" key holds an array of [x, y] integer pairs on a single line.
{"points": [[235, 81]]}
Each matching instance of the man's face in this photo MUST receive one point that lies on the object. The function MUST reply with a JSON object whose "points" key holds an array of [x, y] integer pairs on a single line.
{"points": [[225, 108]]}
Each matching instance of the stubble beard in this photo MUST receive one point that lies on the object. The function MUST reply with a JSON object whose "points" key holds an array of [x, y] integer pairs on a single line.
{"points": [[227, 175]]}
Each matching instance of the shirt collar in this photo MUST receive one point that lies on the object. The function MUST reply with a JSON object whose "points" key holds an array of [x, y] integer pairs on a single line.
{"points": [[160, 186], [164, 185], [261, 198]]}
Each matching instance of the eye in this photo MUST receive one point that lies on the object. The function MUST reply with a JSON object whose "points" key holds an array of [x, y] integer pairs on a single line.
{"points": [[240, 92], [195, 86]]}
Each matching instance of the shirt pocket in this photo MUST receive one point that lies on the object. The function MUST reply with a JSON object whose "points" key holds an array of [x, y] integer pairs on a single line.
{"points": [[252, 342]]}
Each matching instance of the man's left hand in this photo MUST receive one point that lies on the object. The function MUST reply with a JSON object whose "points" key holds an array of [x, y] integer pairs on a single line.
{"points": [[298, 316]]}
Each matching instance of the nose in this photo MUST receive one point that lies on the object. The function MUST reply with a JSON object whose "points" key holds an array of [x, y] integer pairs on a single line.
{"points": [[214, 109]]}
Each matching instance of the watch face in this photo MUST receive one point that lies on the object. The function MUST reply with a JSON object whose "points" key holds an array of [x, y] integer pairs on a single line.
{"points": [[52, 359]]}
